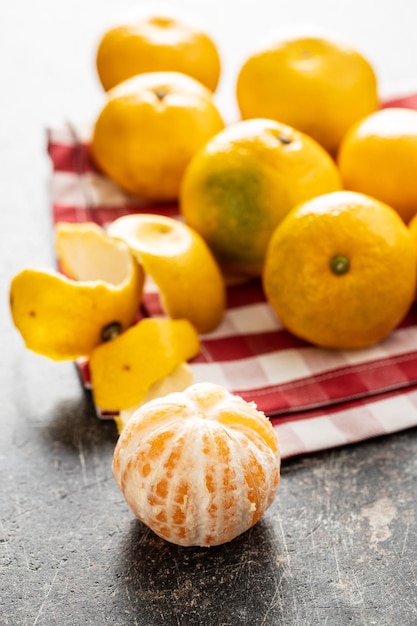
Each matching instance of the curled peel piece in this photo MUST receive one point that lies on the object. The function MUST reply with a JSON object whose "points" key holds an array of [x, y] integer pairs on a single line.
{"points": [[123, 370], [87, 253], [66, 318], [181, 264]]}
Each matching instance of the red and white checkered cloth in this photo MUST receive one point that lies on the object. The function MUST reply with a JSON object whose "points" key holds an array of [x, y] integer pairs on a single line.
{"points": [[315, 398]]}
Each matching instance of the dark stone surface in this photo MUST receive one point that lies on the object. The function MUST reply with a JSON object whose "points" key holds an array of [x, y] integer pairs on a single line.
{"points": [[338, 546]]}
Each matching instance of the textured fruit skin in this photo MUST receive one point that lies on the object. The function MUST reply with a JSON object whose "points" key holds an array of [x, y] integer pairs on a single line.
{"points": [[310, 82], [243, 182], [123, 369], [198, 467], [155, 43], [181, 264], [353, 309], [149, 128], [64, 319], [378, 157]]}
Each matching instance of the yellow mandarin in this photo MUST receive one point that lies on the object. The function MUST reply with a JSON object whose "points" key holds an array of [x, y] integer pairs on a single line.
{"points": [[341, 270], [378, 157], [157, 41], [149, 128], [308, 80]]}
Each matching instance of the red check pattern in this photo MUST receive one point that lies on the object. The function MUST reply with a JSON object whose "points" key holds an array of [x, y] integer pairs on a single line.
{"points": [[315, 398]]}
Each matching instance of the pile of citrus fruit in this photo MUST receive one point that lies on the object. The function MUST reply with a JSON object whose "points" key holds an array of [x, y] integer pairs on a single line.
{"points": [[312, 192], [311, 128]]}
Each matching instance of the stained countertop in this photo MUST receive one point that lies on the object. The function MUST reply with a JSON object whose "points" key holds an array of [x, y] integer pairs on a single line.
{"points": [[337, 547]]}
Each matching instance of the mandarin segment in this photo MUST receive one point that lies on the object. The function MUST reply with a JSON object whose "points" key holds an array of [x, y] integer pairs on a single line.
{"points": [[195, 478], [248, 423]]}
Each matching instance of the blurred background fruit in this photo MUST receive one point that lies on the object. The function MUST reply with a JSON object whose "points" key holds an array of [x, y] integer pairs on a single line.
{"points": [[378, 156], [149, 128], [242, 183], [340, 270], [310, 81], [157, 41]]}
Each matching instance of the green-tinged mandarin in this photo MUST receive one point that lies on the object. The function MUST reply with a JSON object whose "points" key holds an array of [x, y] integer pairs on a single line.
{"points": [[243, 182], [232, 233]]}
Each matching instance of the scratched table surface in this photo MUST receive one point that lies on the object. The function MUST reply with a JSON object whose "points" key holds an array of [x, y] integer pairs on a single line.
{"points": [[337, 547]]}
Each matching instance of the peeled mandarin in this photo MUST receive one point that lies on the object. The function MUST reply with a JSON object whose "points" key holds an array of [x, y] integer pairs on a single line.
{"points": [[198, 467]]}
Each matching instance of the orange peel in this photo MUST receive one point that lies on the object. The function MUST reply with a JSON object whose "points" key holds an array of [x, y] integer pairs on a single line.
{"points": [[180, 263], [65, 319], [123, 370], [179, 379]]}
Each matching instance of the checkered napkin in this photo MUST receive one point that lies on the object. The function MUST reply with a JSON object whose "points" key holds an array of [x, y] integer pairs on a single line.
{"points": [[316, 398]]}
